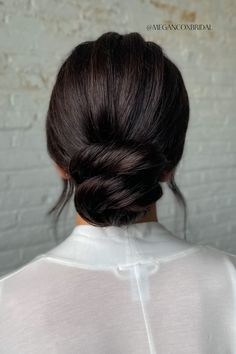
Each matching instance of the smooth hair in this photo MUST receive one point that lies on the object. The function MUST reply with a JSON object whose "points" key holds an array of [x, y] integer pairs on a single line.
{"points": [[116, 124]]}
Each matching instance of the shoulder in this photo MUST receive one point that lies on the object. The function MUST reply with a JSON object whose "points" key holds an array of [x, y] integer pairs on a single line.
{"points": [[21, 297], [21, 270], [21, 292], [220, 263], [219, 254], [12, 283]]}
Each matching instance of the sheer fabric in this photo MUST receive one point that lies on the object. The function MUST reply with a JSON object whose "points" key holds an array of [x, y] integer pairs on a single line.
{"points": [[114, 290]]}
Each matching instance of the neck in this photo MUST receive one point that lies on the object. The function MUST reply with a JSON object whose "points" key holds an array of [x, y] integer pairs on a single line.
{"points": [[150, 216]]}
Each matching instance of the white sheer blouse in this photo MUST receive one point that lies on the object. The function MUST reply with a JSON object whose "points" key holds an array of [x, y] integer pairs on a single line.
{"points": [[134, 289]]}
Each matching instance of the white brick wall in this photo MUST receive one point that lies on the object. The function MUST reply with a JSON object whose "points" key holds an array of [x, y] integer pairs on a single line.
{"points": [[36, 35]]}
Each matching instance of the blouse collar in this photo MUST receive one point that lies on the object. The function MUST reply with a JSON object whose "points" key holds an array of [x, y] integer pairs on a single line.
{"points": [[96, 247]]}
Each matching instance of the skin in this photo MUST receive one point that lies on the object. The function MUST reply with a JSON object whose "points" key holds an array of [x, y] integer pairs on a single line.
{"points": [[150, 216]]}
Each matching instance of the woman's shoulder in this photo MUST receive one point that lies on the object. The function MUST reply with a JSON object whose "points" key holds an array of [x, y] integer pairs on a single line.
{"points": [[218, 256], [220, 252], [20, 271]]}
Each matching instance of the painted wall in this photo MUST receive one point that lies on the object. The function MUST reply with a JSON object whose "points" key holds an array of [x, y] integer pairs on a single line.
{"points": [[35, 36]]}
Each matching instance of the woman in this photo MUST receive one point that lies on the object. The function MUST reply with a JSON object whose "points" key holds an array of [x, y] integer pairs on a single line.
{"points": [[121, 282]]}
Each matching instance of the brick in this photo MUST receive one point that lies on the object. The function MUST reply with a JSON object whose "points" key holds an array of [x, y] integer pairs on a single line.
{"points": [[4, 181], [34, 178], [11, 258], [15, 199], [18, 110], [7, 220], [14, 160], [29, 236]]}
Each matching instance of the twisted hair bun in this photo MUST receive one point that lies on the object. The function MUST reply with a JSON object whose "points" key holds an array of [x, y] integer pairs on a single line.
{"points": [[116, 183]]}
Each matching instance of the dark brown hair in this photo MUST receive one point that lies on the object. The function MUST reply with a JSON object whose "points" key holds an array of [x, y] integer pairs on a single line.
{"points": [[116, 123]]}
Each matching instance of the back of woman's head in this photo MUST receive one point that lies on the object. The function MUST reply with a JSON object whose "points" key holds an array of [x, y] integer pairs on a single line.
{"points": [[116, 124]]}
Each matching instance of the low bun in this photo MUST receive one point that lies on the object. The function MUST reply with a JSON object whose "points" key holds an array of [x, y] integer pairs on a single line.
{"points": [[115, 184], [116, 123]]}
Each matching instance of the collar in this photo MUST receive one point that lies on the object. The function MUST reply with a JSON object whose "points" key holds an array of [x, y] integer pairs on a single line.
{"points": [[96, 247]]}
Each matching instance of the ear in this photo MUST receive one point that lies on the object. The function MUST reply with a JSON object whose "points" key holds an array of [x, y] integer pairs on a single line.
{"points": [[166, 176], [61, 172]]}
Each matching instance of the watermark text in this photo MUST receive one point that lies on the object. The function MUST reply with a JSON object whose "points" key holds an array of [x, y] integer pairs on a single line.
{"points": [[179, 27]]}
